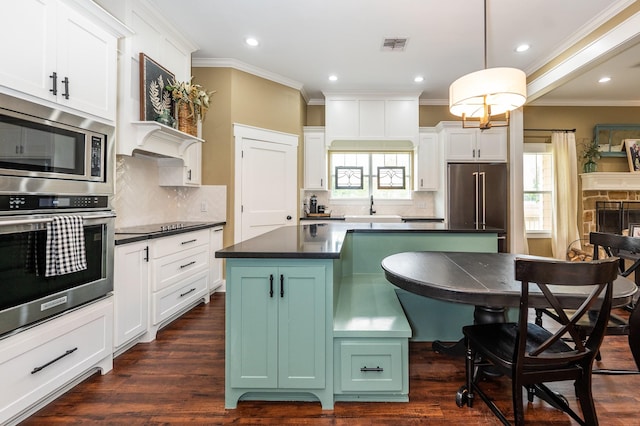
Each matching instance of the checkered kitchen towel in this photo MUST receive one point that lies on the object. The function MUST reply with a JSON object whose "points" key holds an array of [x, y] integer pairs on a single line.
{"points": [[65, 251]]}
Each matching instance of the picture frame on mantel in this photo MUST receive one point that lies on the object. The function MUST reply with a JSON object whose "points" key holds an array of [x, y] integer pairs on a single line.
{"points": [[634, 229], [633, 154], [156, 103]]}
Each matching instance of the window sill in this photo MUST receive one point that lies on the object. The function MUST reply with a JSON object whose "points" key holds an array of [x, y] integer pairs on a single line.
{"points": [[538, 235]]}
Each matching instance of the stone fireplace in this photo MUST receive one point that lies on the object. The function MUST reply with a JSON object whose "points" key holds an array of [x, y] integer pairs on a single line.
{"points": [[613, 199]]}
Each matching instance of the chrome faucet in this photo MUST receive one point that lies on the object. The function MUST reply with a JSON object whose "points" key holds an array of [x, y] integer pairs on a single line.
{"points": [[371, 210]]}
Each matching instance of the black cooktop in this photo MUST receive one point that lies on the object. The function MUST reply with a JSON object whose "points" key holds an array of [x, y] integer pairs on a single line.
{"points": [[158, 228]]}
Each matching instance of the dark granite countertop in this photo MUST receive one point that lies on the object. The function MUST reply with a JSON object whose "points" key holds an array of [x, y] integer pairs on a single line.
{"points": [[132, 235], [405, 218], [324, 241], [422, 219], [322, 218]]}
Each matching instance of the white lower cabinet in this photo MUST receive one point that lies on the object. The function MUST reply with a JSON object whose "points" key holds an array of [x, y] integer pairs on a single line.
{"points": [[37, 362], [217, 267], [131, 290], [179, 276], [158, 279]]}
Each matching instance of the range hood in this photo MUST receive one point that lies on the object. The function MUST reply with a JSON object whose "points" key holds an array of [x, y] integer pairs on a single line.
{"points": [[378, 120], [154, 139]]}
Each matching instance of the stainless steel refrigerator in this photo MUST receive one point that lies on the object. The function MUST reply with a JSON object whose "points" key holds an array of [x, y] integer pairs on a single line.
{"points": [[477, 197]]}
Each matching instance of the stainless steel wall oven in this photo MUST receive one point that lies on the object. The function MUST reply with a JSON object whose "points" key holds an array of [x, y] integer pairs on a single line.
{"points": [[52, 164], [26, 294]]}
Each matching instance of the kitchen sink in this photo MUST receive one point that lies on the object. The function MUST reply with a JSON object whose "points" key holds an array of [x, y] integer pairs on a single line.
{"points": [[366, 218]]}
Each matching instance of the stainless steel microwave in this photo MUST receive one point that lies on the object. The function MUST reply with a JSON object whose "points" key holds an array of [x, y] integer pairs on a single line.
{"points": [[45, 150]]}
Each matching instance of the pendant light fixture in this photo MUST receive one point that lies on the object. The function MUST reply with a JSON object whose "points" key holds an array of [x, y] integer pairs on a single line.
{"points": [[478, 96]]}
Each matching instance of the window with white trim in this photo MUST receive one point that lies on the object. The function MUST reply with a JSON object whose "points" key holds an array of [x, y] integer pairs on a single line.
{"points": [[360, 175], [537, 174]]}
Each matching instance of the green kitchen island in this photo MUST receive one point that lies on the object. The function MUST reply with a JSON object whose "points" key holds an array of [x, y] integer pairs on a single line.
{"points": [[310, 316]]}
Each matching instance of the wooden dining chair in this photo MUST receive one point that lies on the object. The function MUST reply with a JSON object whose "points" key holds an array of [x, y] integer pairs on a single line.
{"points": [[620, 246], [531, 355]]}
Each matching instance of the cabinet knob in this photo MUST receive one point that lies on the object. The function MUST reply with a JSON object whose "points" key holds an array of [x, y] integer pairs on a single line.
{"points": [[288, 217]]}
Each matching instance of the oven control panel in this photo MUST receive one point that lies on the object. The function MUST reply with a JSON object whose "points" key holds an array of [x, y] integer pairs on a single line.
{"points": [[25, 203]]}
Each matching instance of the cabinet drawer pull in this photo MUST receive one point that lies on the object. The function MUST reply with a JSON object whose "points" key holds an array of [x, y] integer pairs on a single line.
{"points": [[66, 87], [54, 86], [281, 285], [42, 367], [146, 254], [366, 369], [188, 264], [189, 241], [187, 292], [271, 285]]}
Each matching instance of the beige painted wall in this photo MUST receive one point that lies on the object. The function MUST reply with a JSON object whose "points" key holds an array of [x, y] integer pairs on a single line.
{"points": [[583, 119], [244, 99], [247, 99]]}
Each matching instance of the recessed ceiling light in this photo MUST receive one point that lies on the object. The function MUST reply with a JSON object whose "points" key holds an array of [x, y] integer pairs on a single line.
{"points": [[604, 80], [419, 79], [251, 41], [522, 48], [333, 77]]}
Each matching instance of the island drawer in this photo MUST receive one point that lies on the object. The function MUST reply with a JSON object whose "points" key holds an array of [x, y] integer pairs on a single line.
{"points": [[371, 365]]}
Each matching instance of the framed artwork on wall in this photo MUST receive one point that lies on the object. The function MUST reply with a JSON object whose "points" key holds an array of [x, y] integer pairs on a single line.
{"points": [[633, 154], [155, 100]]}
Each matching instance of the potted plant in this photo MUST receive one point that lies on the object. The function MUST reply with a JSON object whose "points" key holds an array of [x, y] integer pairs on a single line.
{"points": [[192, 103], [590, 153]]}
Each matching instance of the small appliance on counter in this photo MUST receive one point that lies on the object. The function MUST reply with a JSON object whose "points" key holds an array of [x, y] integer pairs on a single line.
{"points": [[313, 204]]}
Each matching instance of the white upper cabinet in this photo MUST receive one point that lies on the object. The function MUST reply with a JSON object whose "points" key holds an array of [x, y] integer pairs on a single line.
{"points": [[428, 164], [371, 117], [164, 44], [182, 172], [61, 56], [471, 145], [315, 159], [29, 59]]}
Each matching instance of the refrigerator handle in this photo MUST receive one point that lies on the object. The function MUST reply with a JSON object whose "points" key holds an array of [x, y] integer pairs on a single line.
{"points": [[484, 198], [477, 193]]}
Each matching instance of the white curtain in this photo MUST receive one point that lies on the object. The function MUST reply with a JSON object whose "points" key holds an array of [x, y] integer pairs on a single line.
{"points": [[565, 212]]}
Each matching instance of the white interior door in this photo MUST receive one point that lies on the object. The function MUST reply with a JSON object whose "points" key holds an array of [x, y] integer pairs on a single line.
{"points": [[268, 182]]}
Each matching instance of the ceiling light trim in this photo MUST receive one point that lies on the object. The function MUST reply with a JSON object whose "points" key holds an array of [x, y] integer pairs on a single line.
{"points": [[599, 50]]}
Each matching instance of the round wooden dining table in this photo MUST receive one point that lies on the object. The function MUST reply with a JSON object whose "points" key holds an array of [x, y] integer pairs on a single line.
{"points": [[485, 280]]}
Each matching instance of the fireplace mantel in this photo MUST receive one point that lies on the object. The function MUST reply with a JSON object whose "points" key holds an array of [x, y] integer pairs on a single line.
{"points": [[610, 181]]}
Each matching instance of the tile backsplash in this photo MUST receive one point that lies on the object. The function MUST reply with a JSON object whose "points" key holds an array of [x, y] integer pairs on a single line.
{"points": [[139, 200], [423, 204]]}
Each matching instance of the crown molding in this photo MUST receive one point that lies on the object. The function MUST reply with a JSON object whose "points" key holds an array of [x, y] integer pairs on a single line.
{"points": [[242, 66]]}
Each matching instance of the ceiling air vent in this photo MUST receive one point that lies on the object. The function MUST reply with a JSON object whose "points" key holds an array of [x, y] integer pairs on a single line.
{"points": [[394, 44]]}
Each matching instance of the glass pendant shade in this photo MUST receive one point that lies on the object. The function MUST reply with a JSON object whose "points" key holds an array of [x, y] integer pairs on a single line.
{"points": [[501, 89]]}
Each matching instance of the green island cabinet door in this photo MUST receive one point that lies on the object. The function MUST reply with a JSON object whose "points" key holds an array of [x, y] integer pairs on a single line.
{"points": [[277, 327]]}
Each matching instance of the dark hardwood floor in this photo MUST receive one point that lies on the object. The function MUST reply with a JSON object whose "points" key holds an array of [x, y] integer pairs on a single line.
{"points": [[179, 378]]}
